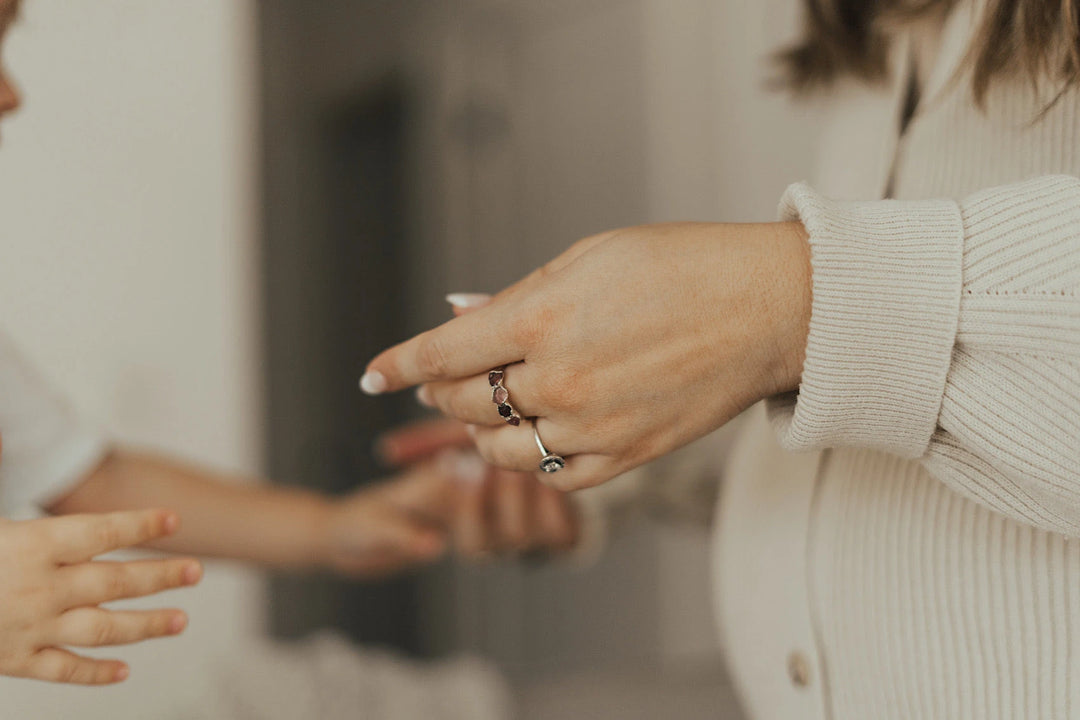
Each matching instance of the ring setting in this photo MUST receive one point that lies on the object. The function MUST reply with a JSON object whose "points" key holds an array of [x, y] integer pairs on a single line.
{"points": [[501, 397], [550, 462]]}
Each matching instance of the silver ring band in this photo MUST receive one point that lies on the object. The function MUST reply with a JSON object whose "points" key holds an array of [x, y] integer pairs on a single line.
{"points": [[550, 462]]}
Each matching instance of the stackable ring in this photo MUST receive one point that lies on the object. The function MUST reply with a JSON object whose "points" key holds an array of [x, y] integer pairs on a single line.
{"points": [[550, 462], [501, 396]]}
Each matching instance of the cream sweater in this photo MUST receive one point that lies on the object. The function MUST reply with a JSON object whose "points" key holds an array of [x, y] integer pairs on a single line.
{"points": [[915, 553]]}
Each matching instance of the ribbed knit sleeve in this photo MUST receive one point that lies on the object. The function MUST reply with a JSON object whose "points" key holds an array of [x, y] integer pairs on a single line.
{"points": [[949, 332]]}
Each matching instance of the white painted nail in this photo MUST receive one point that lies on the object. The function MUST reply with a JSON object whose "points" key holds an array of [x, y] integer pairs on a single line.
{"points": [[470, 469], [468, 300], [373, 383], [423, 396]]}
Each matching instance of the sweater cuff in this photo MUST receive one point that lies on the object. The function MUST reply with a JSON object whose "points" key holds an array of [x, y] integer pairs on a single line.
{"points": [[886, 294]]}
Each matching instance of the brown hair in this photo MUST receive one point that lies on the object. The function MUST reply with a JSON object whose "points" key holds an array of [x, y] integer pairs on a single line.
{"points": [[1039, 38]]}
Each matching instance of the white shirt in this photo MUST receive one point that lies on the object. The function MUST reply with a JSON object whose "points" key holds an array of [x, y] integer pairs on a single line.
{"points": [[46, 447]]}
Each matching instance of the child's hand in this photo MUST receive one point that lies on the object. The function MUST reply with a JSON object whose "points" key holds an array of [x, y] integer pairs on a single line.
{"points": [[51, 590], [454, 500]]}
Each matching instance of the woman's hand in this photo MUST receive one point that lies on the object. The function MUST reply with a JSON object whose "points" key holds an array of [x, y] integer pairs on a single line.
{"points": [[627, 346], [51, 591], [446, 498]]}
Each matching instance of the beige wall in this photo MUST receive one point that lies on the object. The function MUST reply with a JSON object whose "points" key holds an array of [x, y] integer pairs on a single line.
{"points": [[126, 270]]}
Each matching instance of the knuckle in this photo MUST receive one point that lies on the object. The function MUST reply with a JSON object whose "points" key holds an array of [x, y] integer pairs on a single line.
{"points": [[532, 328], [116, 583], [102, 632], [565, 389], [107, 534], [431, 358], [63, 670]]}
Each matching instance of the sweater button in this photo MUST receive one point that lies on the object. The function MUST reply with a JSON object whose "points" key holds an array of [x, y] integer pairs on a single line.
{"points": [[798, 669]]}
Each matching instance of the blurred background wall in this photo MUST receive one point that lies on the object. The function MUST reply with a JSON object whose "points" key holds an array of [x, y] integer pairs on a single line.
{"points": [[217, 211], [128, 271]]}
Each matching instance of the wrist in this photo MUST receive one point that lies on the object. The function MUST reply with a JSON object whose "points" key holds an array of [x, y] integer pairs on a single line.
{"points": [[791, 298], [314, 539]]}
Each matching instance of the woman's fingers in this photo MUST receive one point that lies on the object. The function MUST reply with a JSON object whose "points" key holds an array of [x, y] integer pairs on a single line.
{"points": [[472, 400], [514, 448], [78, 538], [57, 665], [97, 627], [582, 471], [494, 335], [98, 582]]}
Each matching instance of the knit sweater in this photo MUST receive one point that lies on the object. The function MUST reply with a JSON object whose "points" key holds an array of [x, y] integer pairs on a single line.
{"points": [[914, 551]]}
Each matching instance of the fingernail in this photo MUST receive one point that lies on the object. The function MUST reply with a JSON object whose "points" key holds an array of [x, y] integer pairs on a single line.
{"points": [[171, 522], [468, 300], [423, 396], [192, 573], [178, 623], [373, 383], [122, 673], [470, 469]]}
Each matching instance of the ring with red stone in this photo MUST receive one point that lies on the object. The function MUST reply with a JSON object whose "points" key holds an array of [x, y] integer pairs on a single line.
{"points": [[501, 396]]}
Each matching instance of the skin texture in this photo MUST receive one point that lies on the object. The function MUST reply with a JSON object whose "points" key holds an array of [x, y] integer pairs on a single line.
{"points": [[51, 591], [444, 498], [627, 346]]}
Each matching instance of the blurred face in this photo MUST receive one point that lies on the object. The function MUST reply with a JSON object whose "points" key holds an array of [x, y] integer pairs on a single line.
{"points": [[9, 96]]}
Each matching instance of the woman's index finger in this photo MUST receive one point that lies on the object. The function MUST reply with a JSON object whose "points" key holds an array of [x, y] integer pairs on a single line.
{"points": [[467, 345]]}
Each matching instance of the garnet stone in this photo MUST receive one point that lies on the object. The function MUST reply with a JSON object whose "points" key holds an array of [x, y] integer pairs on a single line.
{"points": [[495, 377], [505, 410], [499, 395]]}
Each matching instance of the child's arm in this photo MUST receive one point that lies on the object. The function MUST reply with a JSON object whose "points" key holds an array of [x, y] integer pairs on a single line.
{"points": [[376, 530]]}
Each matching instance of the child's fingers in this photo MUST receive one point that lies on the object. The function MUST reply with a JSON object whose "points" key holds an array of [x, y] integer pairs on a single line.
{"points": [[472, 536], [56, 665], [556, 517], [98, 582], [511, 504], [77, 538], [399, 533], [421, 440], [96, 627]]}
